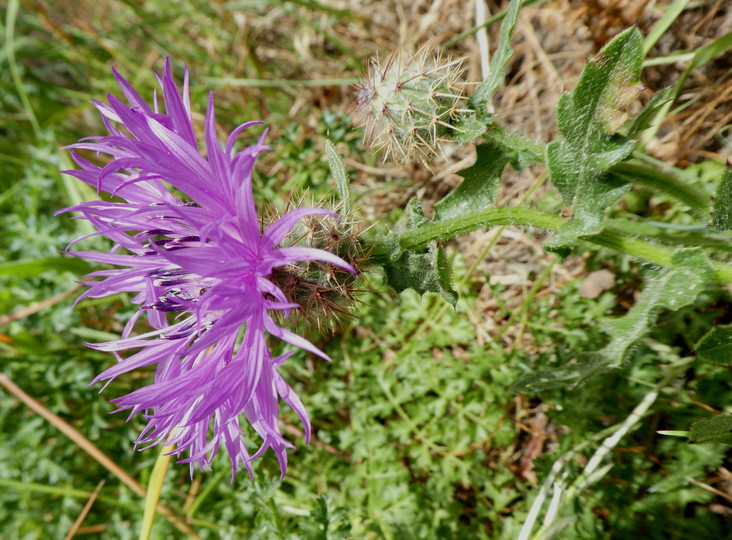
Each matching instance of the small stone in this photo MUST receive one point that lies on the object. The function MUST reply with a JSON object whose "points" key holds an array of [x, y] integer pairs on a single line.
{"points": [[596, 283]]}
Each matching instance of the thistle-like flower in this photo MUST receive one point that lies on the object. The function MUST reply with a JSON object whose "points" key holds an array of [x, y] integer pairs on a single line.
{"points": [[202, 273], [409, 104]]}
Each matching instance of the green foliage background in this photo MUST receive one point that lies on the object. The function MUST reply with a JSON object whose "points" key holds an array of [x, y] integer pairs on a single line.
{"points": [[418, 434]]}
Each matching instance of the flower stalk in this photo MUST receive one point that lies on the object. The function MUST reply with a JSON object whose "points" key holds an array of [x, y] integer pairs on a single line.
{"points": [[611, 237]]}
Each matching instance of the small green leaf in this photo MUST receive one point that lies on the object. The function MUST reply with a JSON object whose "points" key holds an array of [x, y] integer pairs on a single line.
{"points": [[588, 118], [423, 272], [443, 269], [581, 369], [649, 114], [484, 92], [586, 190], [668, 288], [716, 346], [469, 128], [717, 429], [338, 171], [479, 187], [425, 269], [415, 213], [722, 207]]}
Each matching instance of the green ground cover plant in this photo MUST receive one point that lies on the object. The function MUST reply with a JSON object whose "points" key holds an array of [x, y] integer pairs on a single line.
{"points": [[538, 345]]}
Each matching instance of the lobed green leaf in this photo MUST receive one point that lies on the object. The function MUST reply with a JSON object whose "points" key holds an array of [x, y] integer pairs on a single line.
{"points": [[667, 288], [588, 119], [717, 429], [497, 74], [479, 187], [423, 272], [716, 346], [423, 266], [722, 206]]}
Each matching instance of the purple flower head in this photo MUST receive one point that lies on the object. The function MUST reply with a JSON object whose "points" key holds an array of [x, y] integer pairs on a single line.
{"points": [[200, 270]]}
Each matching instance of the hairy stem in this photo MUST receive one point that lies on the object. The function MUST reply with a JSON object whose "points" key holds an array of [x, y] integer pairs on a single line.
{"points": [[663, 181], [611, 237]]}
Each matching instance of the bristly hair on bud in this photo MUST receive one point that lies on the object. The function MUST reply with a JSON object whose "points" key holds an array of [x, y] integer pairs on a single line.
{"points": [[324, 291], [409, 104]]}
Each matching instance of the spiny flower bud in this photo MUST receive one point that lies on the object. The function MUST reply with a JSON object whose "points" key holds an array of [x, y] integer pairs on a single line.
{"points": [[409, 104], [323, 291]]}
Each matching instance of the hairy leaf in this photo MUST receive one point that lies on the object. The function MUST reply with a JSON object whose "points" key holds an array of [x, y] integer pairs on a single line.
{"points": [[668, 288], [581, 369], [338, 171], [716, 346], [497, 74], [588, 118], [479, 187], [423, 272], [722, 207], [469, 128], [712, 430], [430, 271]]}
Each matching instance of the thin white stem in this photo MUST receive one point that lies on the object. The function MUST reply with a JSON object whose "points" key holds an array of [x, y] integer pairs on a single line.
{"points": [[481, 15], [563, 491], [555, 504], [542, 495], [611, 442], [592, 472]]}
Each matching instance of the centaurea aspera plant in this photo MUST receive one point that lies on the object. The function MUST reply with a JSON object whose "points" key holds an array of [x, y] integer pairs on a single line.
{"points": [[201, 272]]}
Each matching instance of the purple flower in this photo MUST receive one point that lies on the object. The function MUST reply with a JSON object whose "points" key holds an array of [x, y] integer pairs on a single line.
{"points": [[200, 270]]}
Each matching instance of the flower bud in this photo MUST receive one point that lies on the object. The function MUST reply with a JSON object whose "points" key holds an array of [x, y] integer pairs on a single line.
{"points": [[409, 104], [324, 292]]}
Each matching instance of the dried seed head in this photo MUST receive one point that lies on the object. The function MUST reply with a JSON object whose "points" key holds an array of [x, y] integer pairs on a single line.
{"points": [[409, 104]]}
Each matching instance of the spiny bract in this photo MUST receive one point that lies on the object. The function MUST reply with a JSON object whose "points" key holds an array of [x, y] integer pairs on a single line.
{"points": [[409, 104]]}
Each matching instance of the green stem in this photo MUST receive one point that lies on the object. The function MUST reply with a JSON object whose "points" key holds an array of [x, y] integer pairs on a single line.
{"points": [[482, 219], [663, 181], [669, 234], [211, 484], [277, 518], [62, 491], [154, 488], [611, 237], [617, 240], [527, 196]]}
